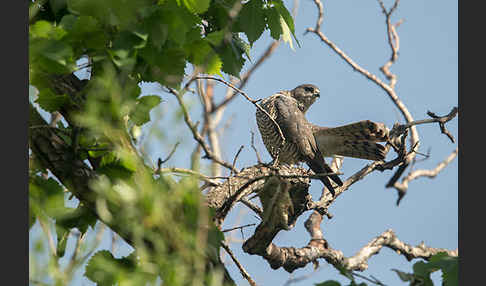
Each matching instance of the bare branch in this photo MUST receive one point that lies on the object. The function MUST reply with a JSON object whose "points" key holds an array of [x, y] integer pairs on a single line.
{"points": [[372, 279], [160, 161], [47, 232], [259, 159], [390, 240], [243, 272], [388, 88], [442, 120], [236, 157], [244, 79], [393, 41], [403, 186], [238, 227], [209, 154], [252, 206], [200, 176], [254, 102], [291, 258]]}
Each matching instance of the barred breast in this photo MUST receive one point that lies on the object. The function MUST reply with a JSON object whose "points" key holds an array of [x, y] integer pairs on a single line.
{"points": [[288, 153]]}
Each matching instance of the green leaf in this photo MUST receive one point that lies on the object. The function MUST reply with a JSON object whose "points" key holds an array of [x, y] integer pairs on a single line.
{"points": [[273, 22], [110, 12], [44, 29], [289, 21], [423, 269], [179, 20], [197, 6], [242, 45], [158, 30], [41, 29], [141, 113], [100, 269], [51, 55], [80, 218], [32, 213], [87, 31], [128, 40], [48, 195], [104, 269], [201, 54], [68, 21], [345, 272], [215, 38], [166, 67], [403, 275], [232, 62], [117, 165], [328, 283], [51, 102], [448, 265], [251, 20], [62, 237], [286, 33], [58, 6]]}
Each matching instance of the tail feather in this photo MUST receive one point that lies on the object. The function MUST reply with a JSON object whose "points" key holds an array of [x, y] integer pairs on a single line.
{"points": [[322, 167], [357, 140]]}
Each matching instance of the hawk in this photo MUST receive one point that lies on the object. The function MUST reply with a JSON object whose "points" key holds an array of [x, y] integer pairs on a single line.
{"points": [[309, 143]]}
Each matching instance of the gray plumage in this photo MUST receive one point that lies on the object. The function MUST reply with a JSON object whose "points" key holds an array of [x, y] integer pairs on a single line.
{"points": [[309, 143]]}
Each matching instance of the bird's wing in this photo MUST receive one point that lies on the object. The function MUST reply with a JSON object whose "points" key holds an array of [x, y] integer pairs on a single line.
{"points": [[298, 130]]}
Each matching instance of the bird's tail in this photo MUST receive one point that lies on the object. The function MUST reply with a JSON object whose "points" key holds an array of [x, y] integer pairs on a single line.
{"points": [[325, 168], [357, 140]]}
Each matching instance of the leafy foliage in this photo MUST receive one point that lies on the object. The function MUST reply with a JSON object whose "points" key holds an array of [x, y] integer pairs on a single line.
{"points": [[127, 42], [106, 270], [422, 270]]}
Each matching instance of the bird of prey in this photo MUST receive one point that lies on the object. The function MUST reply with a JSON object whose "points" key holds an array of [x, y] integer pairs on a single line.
{"points": [[309, 143]]}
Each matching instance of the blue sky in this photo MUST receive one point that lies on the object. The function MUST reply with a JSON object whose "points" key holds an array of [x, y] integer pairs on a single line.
{"points": [[427, 73]]}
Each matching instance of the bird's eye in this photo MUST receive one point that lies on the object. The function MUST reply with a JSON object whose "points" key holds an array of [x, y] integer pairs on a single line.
{"points": [[309, 89]]}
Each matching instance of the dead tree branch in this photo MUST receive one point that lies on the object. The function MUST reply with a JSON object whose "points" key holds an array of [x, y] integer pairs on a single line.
{"points": [[193, 127], [291, 258], [403, 186], [243, 272], [388, 88], [253, 101]]}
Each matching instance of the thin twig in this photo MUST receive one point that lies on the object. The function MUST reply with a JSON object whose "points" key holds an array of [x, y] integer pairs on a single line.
{"points": [[160, 162], [209, 154], [238, 227], [50, 239], [243, 272], [253, 101], [403, 186], [372, 279], [198, 175], [259, 160], [236, 158], [244, 79], [252, 206], [388, 88]]}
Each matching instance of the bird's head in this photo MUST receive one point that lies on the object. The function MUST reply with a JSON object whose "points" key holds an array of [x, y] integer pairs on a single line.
{"points": [[306, 95]]}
